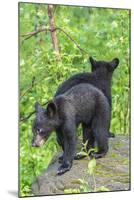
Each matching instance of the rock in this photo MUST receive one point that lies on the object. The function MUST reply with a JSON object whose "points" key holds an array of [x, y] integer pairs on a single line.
{"points": [[112, 172]]}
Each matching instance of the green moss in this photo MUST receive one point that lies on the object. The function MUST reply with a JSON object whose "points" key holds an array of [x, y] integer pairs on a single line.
{"points": [[118, 145], [125, 161]]}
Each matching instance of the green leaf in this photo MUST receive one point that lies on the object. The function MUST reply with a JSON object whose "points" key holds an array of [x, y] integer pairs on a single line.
{"points": [[103, 189], [79, 181], [91, 166], [82, 153]]}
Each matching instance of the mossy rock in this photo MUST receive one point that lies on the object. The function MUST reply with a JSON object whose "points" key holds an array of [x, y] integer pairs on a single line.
{"points": [[111, 173]]}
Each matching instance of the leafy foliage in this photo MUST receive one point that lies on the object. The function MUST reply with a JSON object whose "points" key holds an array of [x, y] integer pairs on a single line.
{"points": [[104, 33]]}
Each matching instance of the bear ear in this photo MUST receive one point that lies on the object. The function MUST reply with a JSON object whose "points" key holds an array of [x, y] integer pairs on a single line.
{"points": [[92, 61], [51, 109], [93, 64], [114, 63], [38, 107]]}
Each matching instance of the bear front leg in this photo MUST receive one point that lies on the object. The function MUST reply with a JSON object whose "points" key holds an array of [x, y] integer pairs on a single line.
{"points": [[110, 134], [69, 149], [60, 141]]}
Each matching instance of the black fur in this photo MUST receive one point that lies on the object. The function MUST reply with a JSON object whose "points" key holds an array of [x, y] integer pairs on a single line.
{"points": [[100, 77], [84, 104]]}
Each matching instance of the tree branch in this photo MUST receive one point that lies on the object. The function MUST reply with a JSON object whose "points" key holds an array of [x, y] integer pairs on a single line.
{"points": [[33, 83], [30, 88], [31, 34], [53, 33], [27, 117], [77, 45], [22, 119]]}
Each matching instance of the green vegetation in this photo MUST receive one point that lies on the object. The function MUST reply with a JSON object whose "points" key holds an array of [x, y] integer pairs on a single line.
{"points": [[103, 33]]}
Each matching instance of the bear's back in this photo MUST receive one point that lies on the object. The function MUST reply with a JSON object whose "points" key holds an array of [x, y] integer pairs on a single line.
{"points": [[82, 101], [97, 78]]}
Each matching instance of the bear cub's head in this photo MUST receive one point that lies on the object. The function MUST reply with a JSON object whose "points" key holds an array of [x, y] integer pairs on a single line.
{"points": [[45, 122], [104, 65]]}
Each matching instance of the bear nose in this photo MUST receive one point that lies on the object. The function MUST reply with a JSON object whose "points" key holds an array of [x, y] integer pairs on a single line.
{"points": [[34, 144]]}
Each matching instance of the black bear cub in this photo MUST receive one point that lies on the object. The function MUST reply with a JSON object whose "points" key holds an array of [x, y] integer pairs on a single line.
{"points": [[84, 104], [100, 77]]}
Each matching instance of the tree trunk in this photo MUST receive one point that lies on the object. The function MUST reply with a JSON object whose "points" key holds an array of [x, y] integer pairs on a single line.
{"points": [[53, 31]]}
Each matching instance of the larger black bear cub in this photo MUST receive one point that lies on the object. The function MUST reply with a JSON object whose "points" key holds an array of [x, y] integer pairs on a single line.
{"points": [[100, 77], [81, 104]]}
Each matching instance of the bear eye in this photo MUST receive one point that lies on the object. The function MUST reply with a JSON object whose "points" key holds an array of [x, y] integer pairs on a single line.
{"points": [[38, 130]]}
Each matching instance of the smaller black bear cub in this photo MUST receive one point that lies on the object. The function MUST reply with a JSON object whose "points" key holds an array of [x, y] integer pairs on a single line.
{"points": [[84, 104]]}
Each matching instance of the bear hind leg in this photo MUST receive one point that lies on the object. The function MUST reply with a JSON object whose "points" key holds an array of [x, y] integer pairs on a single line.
{"points": [[101, 137], [88, 136]]}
